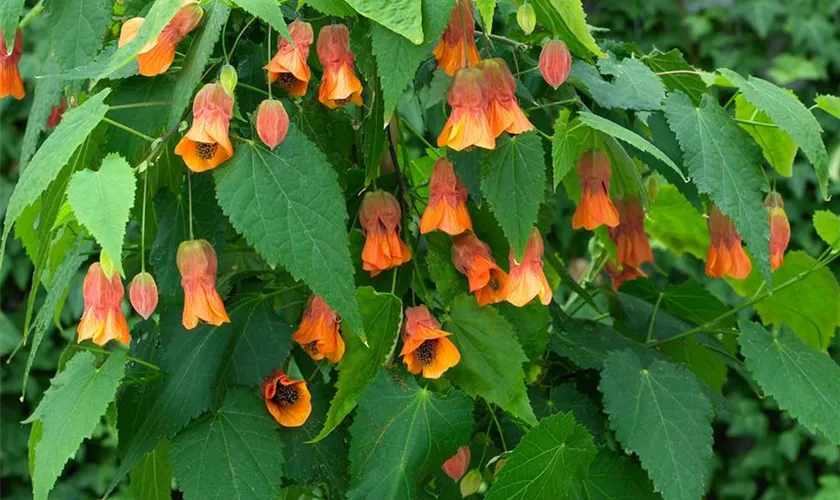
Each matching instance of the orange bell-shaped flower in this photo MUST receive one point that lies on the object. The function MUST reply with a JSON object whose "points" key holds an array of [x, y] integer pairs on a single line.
{"points": [[318, 331], [10, 82], [272, 122], [457, 48], [156, 57], [207, 144], [779, 228], [425, 348], [631, 242], [555, 63], [380, 218], [56, 113], [623, 274], [339, 84], [288, 401], [472, 257], [456, 466], [289, 63], [527, 278], [143, 294], [447, 208], [504, 112], [197, 263], [468, 124], [595, 207], [726, 256], [103, 318]]}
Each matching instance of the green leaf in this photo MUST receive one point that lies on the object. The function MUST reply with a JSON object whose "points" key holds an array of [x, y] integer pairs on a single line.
{"points": [[569, 141], [830, 104], [269, 11], [513, 181], [486, 8], [397, 59], [401, 433], [491, 358], [672, 61], [448, 281], [234, 452], [783, 107], [724, 162], [69, 411], [77, 30], [615, 477], [289, 206], [382, 317], [587, 343], [676, 223], [633, 85], [548, 462], [827, 225], [566, 398], [403, 17], [338, 8], [660, 413], [47, 95], [530, 324], [567, 20], [48, 161], [102, 201], [804, 382], [10, 11], [778, 148], [151, 479], [331, 132]]}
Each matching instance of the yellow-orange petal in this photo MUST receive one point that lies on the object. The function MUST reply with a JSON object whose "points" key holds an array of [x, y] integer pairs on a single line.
{"points": [[196, 162], [157, 59]]}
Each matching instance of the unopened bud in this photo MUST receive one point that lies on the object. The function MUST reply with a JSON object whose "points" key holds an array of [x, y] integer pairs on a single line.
{"points": [[527, 18], [229, 78], [143, 294]]}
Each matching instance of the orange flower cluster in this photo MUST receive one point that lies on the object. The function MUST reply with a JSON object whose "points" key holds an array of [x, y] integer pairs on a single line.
{"points": [[10, 82]]}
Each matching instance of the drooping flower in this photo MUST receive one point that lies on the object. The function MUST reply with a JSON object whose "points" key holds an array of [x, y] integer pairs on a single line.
{"points": [[143, 294], [379, 216], [197, 263], [457, 48], [622, 274], [456, 466], [339, 84], [318, 331], [425, 348], [595, 207], [288, 401], [527, 278], [103, 318], [504, 112], [726, 256], [631, 242], [156, 57], [779, 228], [56, 113], [10, 82], [469, 124], [272, 122], [289, 63], [472, 257], [447, 208], [555, 62], [207, 144]]}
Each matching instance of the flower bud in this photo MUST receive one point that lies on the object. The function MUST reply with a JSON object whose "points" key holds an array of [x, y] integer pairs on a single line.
{"points": [[229, 78], [143, 294], [457, 464], [272, 122], [471, 484], [555, 62], [526, 18]]}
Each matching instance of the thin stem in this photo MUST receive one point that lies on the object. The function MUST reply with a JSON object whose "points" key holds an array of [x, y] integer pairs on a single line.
{"points": [[143, 225], [506, 40], [268, 75], [420, 136], [108, 353], [548, 105], [253, 89], [498, 426], [139, 105], [33, 12], [239, 36], [535, 68], [189, 196], [756, 124], [401, 186], [419, 277], [224, 47], [465, 60], [394, 280], [653, 317], [546, 136], [731, 100], [128, 129]]}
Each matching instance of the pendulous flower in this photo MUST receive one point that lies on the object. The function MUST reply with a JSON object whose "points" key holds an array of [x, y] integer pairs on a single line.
{"points": [[779, 228], [631, 242], [555, 63], [469, 124], [472, 257], [425, 348], [143, 294], [207, 144], [726, 256], [456, 466], [197, 263], [622, 274], [339, 84], [103, 318], [457, 49], [527, 278], [288, 401], [595, 207], [272, 122], [379, 216], [289, 63], [318, 331], [504, 112], [10, 82], [447, 208]]}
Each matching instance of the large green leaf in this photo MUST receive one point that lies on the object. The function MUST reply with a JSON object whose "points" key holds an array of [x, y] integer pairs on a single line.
{"points": [[401, 433], [151, 479], [530, 324], [616, 477], [633, 85], [77, 30], [827, 226], [289, 206], [783, 107], [70, 410], [234, 452], [269, 11], [382, 317], [659, 412], [567, 20], [676, 223], [803, 381], [513, 181], [724, 162], [102, 201], [9, 16], [549, 462], [569, 141], [777, 146], [587, 343], [403, 17], [676, 73]]}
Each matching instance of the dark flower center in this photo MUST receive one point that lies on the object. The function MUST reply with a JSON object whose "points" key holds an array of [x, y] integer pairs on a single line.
{"points": [[494, 282], [287, 80], [206, 150], [311, 347], [285, 395], [426, 351], [342, 102]]}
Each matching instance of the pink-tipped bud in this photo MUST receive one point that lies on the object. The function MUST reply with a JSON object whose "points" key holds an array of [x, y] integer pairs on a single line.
{"points": [[272, 122], [143, 294], [458, 464], [555, 62]]}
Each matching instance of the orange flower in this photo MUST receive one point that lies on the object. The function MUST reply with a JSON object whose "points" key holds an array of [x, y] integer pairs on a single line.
{"points": [[726, 257], [626, 273], [380, 218], [457, 464], [472, 257], [468, 124], [779, 228], [272, 122], [318, 332], [10, 82], [156, 57], [196, 261], [527, 279], [555, 63], [143, 294], [447, 208], [504, 112], [288, 401], [339, 84], [457, 48], [103, 318], [629, 236], [289, 63], [595, 207], [206, 144], [425, 346]]}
